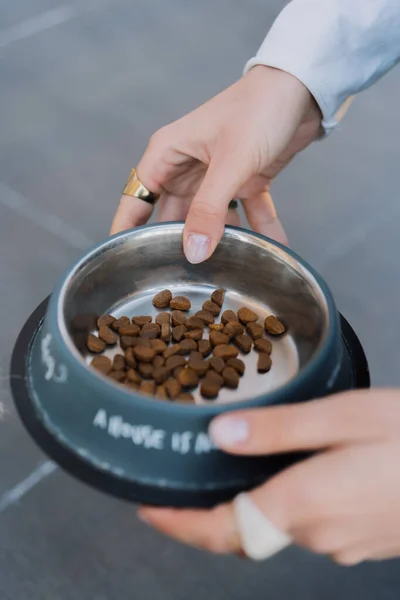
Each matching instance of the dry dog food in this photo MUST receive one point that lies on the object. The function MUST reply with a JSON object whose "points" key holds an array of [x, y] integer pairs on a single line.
{"points": [[218, 297], [102, 364], [206, 317], [121, 322], [246, 315], [274, 326], [180, 303], [244, 343], [212, 307], [95, 344], [169, 356], [228, 315], [264, 363], [162, 299], [107, 335], [255, 330], [233, 328], [106, 320], [178, 318]]}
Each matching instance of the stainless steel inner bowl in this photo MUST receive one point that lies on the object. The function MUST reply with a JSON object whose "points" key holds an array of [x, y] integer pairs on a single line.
{"points": [[124, 273]]}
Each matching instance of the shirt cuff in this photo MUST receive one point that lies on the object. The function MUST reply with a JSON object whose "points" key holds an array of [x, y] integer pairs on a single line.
{"points": [[336, 48]]}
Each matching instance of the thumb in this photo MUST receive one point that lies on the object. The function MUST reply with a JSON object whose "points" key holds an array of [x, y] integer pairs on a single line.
{"points": [[207, 213]]}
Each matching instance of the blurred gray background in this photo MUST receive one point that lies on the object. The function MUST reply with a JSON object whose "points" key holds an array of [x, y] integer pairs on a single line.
{"points": [[83, 84]]}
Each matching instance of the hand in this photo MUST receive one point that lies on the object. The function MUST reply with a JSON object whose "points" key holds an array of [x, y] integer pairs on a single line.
{"points": [[232, 146], [344, 501]]}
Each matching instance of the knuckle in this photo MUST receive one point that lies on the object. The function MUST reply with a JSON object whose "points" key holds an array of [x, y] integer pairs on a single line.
{"points": [[161, 138]]}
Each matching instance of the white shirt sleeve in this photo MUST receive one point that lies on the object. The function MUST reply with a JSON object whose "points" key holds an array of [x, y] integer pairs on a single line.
{"points": [[336, 48]]}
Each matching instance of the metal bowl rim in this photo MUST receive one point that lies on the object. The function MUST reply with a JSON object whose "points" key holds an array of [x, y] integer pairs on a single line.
{"points": [[278, 396]]}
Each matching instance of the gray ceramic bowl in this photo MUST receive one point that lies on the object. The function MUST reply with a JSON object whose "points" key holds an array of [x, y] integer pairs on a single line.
{"points": [[150, 450]]}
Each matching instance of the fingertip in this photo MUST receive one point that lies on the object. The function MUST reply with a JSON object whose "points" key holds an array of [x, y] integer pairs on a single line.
{"points": [[197, 247]]}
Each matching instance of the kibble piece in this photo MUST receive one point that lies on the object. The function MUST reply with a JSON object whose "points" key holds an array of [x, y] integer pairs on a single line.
{"points": [[134, 377], [162, 299], [213, 308], [218, 297], [274, 326], [148, 387], [188, 378], [180, 303], [216, 326], [107, 335], [131, 386], [255, 330], [141, 320], [178, 333], [130, 358], [173, 388], [246, 315], [198, 364], [161, 392], [163, 318], [263, 345], [176, 371], [158, 361], [150, 331], [160, 375], [117, 376], [146, 370], [217, 338], [187, 346], [216, 378], [95, 344], [264, 362], [175, 361], [105, 320], [165, 332], [225, 351], [236, 364], [102, 364], [231, 377], [228, 315], [186, 398], [244, 343], [233, 329], [205, 316], [172, 350], [128, 341], [130, 329], [194, 334], [209, 389], [121, 322], [194, 323], [158, 345], [217, 364], [204, 346], [144, 354], [196, 355], [119, 362], [178, 318]]}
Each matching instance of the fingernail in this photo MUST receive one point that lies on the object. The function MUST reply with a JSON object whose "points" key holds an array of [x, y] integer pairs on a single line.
{"points": [[229, 431], [197, 248]]}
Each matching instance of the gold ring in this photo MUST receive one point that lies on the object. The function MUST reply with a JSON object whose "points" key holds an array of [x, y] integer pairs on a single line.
{"points": [[135, 188]]}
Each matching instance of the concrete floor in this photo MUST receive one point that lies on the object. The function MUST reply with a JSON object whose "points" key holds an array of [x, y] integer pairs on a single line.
{"points": [[83, 84]]}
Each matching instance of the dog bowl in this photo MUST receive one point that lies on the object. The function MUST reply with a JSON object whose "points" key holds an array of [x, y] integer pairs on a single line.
{"points": [[158, 452]]}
